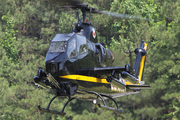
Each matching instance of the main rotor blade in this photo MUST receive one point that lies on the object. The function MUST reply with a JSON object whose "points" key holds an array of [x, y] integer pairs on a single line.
{"points": [[76, 4], [123, 15], [64, 2]]}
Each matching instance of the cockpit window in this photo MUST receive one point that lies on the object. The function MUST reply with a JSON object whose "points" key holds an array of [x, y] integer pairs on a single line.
{"points": [[59, 46], [71, 51], [82, 44]]}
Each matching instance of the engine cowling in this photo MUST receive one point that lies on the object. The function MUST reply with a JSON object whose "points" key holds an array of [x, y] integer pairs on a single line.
{"points": [[110, 55]]}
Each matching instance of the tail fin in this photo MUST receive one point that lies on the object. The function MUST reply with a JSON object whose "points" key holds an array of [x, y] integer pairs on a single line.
{"points": [[139, 63]]}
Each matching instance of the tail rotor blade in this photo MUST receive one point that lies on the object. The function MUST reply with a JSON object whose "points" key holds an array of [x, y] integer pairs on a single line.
{"points": [[64, 2]]}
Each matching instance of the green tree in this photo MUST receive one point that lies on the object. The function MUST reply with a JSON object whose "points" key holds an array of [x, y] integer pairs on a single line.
{"points": [[8, 42]]}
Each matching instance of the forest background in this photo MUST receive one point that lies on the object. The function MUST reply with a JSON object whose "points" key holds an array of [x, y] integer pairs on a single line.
{"points": [[28, 26]]}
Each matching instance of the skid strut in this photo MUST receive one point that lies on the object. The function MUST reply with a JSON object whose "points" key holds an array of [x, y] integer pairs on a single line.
{"points": [[105, 106], [62, 113], [110, 108]]}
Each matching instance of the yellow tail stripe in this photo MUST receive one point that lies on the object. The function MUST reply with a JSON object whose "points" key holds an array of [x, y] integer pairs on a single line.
{"points": [[142, 63], [84, 78]]}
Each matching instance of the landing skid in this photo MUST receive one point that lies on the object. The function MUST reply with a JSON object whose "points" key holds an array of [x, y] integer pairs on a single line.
{"points": [[110, 108], [105, 106], [62, 113]]}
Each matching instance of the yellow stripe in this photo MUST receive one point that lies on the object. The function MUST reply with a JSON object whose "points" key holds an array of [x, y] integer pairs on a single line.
{"points": [[85, 78], [128, 83], [142, 63]]}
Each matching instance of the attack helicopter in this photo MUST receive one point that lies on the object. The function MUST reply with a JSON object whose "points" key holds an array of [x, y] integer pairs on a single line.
{"points": [[77, 66]]}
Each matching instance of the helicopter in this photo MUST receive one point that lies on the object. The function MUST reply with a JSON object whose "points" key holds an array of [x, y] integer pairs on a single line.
{"points": [[77, 66]]}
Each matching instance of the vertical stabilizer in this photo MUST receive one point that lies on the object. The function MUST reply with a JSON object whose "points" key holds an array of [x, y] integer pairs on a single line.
{"points": [[139, 63]]}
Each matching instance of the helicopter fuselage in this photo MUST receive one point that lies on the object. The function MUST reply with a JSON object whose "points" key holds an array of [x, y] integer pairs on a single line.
{"points": [[70, 53]]}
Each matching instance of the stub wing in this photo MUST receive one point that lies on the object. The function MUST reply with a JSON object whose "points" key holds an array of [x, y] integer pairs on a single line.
{"points": [[127, 81], [100, 71]]}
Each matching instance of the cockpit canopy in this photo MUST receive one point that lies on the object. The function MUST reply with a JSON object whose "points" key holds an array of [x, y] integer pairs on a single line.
{"points": [[65, 47], [59, 46], [62, 37], [59, 43], [73, 44]]}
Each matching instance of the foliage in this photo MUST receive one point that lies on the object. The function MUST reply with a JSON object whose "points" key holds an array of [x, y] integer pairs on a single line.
{"points": [[8, 42], [30, 25]]}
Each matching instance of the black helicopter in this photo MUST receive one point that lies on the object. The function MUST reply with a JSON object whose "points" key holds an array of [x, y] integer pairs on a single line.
{"points": [[77, 66]]}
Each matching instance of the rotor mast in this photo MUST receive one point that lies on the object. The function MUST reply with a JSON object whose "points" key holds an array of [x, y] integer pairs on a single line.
{"points": [[83, 14]]}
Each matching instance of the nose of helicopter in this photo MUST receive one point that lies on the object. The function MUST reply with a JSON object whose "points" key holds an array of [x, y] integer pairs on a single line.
{"points": [[53, 62], [52, 56]]}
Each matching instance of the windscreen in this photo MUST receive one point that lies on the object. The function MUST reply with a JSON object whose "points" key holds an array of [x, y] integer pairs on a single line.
{"points": [[59, 46]]}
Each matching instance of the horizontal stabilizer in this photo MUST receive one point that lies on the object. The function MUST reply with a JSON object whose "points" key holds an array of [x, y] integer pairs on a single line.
{"points": [[138, 86], [100, 71]]}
